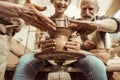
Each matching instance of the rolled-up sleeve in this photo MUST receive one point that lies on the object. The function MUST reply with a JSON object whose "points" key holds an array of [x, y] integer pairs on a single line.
{"points": [[118, 24]]}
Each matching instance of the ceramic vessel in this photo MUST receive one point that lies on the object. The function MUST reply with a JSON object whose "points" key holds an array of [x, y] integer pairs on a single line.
{"points": [[61, 36]]}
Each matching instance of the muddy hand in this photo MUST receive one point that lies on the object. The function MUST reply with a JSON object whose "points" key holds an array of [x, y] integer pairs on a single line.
{"points": [[33, 16], [48, 45], [83, 27]]}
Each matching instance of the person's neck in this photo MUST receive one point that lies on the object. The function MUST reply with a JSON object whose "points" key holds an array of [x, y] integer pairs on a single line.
{"points": [[57, 15]]}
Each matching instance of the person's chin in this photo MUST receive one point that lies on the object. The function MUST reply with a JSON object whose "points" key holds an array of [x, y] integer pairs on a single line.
{"points": [[87, 19], [61, 11]]}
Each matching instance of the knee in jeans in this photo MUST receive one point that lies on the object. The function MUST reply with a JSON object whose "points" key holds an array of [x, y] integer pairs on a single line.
{"points": [[26, 58]]}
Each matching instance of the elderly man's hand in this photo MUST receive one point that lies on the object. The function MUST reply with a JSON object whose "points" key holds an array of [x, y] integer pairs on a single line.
{"points": [[83, 27], [32, 15], [88, 45]]}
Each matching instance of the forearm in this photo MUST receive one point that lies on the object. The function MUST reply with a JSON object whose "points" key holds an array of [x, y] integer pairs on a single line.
{"points": [[10, 9], [15, 48], [16, 53], [106, 25], [30, 13]]}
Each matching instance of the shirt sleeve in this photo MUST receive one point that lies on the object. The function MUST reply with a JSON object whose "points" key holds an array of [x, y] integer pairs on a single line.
{"points": [[118, 24], [116, 20]]}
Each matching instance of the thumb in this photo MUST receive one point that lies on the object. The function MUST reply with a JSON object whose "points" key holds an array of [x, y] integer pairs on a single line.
{"points": [[72, 20], [40, 8], [48, 38], [27, 2], [76, 21]]}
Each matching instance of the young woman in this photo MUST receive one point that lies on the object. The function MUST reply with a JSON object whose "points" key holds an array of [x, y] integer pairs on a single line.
{"points": [[28, 64]]}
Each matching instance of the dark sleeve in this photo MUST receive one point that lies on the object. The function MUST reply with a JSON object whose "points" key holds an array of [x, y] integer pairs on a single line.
{"points": [[118, 24], [101, 17]]}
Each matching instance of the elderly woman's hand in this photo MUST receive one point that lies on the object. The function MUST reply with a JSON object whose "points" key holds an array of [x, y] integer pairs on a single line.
{"points": [[32, 15]]}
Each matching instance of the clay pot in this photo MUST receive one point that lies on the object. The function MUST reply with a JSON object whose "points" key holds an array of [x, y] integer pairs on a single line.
{"points": [[61, 36]]}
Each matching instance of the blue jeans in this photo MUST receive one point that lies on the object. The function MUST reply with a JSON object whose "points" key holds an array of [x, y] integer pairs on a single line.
{"points": [[92, 67]]}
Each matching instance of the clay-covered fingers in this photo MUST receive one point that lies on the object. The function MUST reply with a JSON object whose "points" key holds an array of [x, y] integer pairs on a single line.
{"points": [[27, 2], [35, 7], [48, 49], [73, 24], [77, 24], [32, 20], [89, 45], [85, 31], [49, 24], [35, 18], [40, 8], [73, 46], [83, 27], [32, 15], [48, 45]]}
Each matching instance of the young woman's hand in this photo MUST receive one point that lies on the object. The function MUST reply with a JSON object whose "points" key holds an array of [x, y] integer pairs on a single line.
{"points": [[73, 46], [48, 45]]}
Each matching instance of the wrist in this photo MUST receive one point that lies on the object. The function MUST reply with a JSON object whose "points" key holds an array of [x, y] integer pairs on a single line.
{"points": [[88, 45], [22, 10], [97, 25], [83, 46]]}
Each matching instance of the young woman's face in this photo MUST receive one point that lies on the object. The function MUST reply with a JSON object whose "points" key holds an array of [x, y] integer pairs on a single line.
{"points": [[61, 5]]}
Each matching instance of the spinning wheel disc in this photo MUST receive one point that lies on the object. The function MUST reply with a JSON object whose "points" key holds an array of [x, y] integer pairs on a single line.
{"points": [[61, 55]]}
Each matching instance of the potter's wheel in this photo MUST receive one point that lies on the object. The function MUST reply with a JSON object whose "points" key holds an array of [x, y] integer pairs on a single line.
{"points": [[61, 55]]}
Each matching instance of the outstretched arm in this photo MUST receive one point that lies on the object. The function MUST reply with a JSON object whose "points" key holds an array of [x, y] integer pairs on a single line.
{"points": [[87, 27], [30, 13], [106, 25]]}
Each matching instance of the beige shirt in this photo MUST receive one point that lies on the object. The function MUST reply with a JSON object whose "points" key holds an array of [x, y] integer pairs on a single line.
{"points": [[96, 37], [8, 27]]}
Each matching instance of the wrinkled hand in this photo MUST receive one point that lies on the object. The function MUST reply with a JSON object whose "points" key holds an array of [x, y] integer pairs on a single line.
{"points": [[83, 27], [73, 46], [88, 45], [48, 45], [32, 15]]}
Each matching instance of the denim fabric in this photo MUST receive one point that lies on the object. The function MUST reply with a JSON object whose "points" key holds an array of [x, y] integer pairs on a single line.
{"points": [[91, 66], [28, 66]]}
